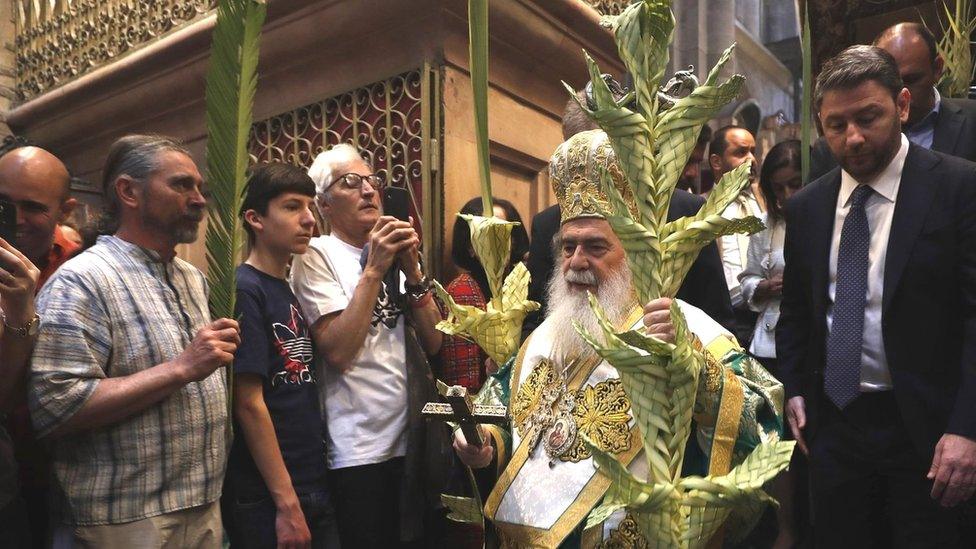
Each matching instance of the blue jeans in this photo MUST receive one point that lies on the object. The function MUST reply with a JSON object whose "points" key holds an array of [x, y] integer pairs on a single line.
{"points": [[254, 522]]}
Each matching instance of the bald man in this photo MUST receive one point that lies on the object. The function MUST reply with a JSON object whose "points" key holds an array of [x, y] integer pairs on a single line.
{"points": [[942, 124], [37, 183]]}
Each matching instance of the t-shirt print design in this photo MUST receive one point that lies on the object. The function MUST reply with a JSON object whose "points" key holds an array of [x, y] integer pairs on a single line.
{"points": [[386, 310], [294, 345]]}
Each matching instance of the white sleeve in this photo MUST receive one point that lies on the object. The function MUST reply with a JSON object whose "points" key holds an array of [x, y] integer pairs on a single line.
{"points": [[316, 286], [731, 259], [700, 324], [754, 273]]}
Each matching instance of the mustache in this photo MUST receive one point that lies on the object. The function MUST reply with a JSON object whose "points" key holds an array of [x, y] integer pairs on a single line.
{"points": [[581, 277]]}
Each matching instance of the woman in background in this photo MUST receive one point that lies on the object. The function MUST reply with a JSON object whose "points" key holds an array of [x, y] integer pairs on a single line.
{"points": [[762, 290], [762, 279], [462, 362]]}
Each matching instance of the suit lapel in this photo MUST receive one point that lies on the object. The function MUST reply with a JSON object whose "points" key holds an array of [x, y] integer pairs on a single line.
{"points": [[947, 129], [912, 204], [822, 228]]}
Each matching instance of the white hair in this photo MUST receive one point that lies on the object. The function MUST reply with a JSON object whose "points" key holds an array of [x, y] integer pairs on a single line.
{"points": [[325, 168], [566, 307]]}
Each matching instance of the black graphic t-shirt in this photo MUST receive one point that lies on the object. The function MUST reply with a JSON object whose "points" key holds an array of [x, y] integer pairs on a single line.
{"points": [[276, 345]]}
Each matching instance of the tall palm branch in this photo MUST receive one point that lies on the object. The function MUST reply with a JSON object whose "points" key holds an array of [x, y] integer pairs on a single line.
{"points": [[652, 145], [231, 83], [497, 328]]}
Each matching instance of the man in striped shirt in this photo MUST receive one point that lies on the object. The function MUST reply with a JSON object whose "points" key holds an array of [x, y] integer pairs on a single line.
{"points": [[126, 376]]}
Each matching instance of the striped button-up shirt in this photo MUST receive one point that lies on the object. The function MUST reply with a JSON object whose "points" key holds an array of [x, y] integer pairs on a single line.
{"points": [[115, 310]]}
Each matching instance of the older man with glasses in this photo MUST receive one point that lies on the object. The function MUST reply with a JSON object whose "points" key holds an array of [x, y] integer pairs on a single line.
{"points": [[372, 345]]}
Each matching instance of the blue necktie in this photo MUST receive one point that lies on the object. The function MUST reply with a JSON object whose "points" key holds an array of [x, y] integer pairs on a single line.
{"points": [[842, 376]]}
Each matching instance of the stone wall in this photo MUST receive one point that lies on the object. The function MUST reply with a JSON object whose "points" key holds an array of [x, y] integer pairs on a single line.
{"points": [[7, 66], [705, 30]]}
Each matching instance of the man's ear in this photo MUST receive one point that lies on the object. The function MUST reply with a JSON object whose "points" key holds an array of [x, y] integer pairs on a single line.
{"points": [[253, 218], [128, 191], [903, 103], [938, 66], [67, 206], [715, 163]]}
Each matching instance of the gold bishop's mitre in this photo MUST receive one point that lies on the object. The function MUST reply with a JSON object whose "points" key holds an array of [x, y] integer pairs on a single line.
{"points": [[575, 170]]}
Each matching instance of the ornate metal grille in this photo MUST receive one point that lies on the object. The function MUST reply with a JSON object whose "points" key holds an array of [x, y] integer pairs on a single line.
{"points": [[395, 124], [58, 40]]}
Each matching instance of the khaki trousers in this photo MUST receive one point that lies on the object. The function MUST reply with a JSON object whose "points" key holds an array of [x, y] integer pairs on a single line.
{"points": [[197, 527]]}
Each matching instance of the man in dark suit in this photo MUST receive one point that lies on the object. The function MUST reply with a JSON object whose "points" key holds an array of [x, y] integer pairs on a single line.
{"points": [[938, 123], [877, 332], [704, 287]]}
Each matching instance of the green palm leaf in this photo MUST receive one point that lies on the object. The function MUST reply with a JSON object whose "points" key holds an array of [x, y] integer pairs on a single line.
{"points": [[660, 379], [231, 83], [678, 128], [478, 61], [956, 49], [495, 329], [643, 33]]}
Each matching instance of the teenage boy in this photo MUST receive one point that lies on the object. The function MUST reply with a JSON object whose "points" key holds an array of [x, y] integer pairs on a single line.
{"points": [[276, 476]]}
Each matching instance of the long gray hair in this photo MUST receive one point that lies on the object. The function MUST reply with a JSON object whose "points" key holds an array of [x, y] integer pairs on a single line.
{"points": [[136, 157]]}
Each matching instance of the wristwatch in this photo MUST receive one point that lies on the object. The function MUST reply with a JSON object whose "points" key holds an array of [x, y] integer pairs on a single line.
{"points": [[418, 290], [27, 330]]}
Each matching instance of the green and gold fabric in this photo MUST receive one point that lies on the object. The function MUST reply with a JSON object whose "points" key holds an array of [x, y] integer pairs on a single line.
{"points": [[541, 499]]}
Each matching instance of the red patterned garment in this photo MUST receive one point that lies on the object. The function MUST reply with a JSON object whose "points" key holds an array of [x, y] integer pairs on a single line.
{"points": [[461, 361]]}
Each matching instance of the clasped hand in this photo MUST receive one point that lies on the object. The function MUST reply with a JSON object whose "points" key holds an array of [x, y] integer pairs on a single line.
{"points": [[18, 280], [770, 287], [212, 347], [471, 455], [657, 320], [394, 240]]}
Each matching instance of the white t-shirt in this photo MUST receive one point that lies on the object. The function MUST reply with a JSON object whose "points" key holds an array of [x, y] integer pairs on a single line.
{"points": [[366, 407]]}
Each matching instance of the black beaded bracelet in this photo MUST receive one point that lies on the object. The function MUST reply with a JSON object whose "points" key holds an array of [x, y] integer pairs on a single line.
{"points": [[419, 290]]}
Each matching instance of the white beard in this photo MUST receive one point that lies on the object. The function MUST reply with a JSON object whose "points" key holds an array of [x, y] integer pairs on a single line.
{"points": [[566, 306]]}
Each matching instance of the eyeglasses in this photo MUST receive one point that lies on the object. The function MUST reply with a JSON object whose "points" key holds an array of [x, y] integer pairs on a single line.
{"points": [[355, 181]]}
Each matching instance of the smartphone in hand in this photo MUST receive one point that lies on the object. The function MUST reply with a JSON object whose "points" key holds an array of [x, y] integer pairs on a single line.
{"points": [[396, 202]]}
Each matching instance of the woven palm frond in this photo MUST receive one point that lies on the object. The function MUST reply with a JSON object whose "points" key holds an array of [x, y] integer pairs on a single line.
{"points": [[655, 506], [640, 244], [463, 509], [630, 137], [643, 33], [661, 379], [676, 133], [491, 239], [644, 378], [497, 328], [710, 499]]}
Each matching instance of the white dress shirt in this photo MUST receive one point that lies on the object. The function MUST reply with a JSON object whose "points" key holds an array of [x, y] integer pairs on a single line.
{"points": [[734, 247], [880, 209]]}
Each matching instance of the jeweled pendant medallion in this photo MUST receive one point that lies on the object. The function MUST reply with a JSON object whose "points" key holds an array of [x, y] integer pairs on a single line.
{"points": [[560, 438]]}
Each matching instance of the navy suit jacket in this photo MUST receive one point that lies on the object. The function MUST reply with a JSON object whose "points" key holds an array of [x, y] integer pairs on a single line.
{"points": [[928, 303]]}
